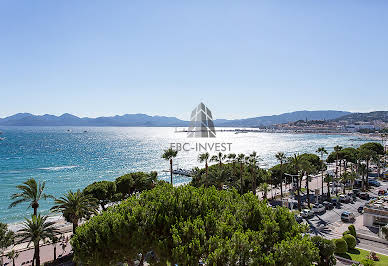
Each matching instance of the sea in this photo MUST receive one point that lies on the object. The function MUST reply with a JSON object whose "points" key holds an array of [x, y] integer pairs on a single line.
{"points": [[70, 158]]}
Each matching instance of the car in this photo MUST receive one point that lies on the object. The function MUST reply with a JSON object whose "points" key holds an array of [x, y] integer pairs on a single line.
{"points": [[364, 195], [352, 195], [318, 208], [381, 192], [328, 205], [347, 216], [335, 202], [344, 198], [306, 213], [356, 192], [298, 218], [374, 183], [360, 209]]}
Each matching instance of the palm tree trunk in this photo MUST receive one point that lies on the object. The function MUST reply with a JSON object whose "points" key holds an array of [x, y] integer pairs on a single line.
{"points": [[35, 211], [367, 171], [75, 225], [298, 192], [141, 263], [206, 168], [37, 255], [328, 190], [241, 177], [171, 171], [308, 190]]}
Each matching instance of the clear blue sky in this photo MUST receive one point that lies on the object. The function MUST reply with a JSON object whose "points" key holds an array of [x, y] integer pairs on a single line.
{"points": [[242, 58]]}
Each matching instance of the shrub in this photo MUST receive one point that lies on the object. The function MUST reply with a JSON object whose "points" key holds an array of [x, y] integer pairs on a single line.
{"points": [[352, 230], [350, 240], [346, 233], [340, 246], [367, 262], [326, 250]]}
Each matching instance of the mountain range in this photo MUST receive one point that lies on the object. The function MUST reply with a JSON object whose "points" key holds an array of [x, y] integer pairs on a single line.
{"points": [[134, 120]]}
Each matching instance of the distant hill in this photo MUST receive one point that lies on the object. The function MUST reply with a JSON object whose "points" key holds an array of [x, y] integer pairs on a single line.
{"points": [[143, 120], [365, 117], [128, 120], [282, 118]]}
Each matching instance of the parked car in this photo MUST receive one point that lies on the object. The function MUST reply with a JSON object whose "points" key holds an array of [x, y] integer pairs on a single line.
{"points": [[374, 183], [360, 209], [347, 216], [381, 192], [352, 195], [335, 202], [356, 192], [328, 205], [364, 195], [298, 218], [344, 198], [306, 213], [318, 208]]}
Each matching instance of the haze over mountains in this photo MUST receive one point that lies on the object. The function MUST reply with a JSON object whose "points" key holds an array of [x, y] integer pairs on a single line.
{"points": [[27, 119]]}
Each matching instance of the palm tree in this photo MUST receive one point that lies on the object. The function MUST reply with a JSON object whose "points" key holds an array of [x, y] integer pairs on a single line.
{"points": [[281, 157], [337, 148], [308, 169], [241, 159], [12, 255], [168, 155], [32, 192], [218, 158], [296, 162], [253, 159], [328, 179], [204, 157], [367, 155], [232, 159], [75, 206], [264, 187], [35, 230], [322, 151]]}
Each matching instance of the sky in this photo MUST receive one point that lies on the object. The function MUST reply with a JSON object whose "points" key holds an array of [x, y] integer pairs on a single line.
{"points": [[241, 58]]}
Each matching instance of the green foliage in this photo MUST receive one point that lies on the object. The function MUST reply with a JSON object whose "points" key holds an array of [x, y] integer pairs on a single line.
{"points": [[184, 225], [75, 206], [352, 230], [30, 191], [130, 183], [228, 175], [373, 146], [347, 232], [103, 191], [368, 262], [340, 246], [350, 241], [326, 250], [7, 237]]}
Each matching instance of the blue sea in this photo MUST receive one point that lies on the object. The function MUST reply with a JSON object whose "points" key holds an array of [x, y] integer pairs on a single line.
{"points": [[70, 158]]}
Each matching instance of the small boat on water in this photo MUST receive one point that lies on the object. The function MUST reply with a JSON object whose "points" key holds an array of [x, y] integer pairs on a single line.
{"points": [[183, 172], [2, 139]]}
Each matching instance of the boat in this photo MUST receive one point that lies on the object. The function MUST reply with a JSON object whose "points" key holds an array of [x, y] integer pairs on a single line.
{"points": [[2, 139], [183, 172]]}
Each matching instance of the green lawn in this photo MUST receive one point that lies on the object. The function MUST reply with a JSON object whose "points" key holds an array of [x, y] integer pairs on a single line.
{"points": [[360, 254]]}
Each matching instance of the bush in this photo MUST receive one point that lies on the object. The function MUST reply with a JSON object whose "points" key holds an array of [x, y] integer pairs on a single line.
{"points": [[352, 230], [367, 262], [326, 250], [350, 240], [346, 233], [340, 246]]}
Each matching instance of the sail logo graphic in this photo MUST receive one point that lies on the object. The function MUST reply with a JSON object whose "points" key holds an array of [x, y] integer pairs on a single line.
{"points": [[201, 125]]}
